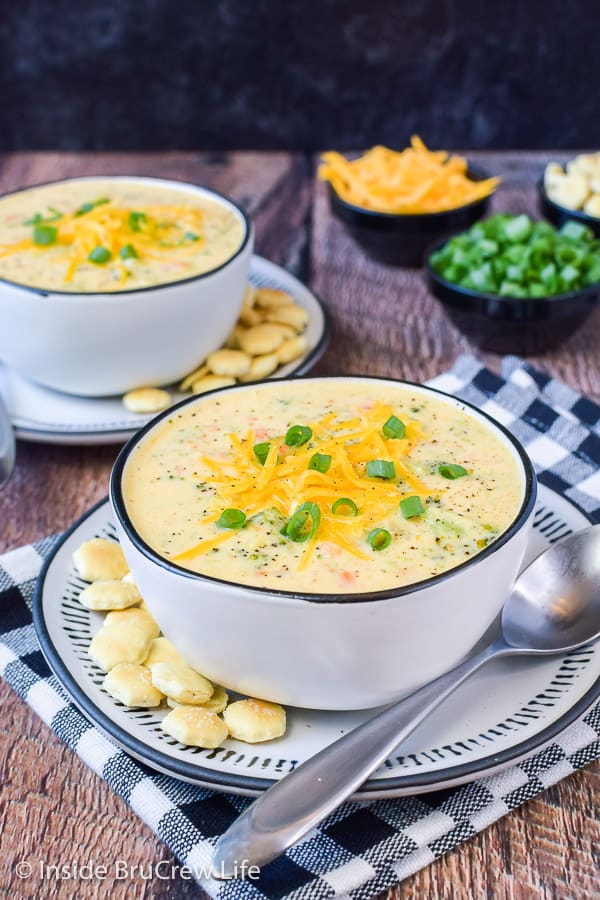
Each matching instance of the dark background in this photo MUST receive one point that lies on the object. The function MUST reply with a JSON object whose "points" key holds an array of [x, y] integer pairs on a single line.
{"points": [[161, 74]]}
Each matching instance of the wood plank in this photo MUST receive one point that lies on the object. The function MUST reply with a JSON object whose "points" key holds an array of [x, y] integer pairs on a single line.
{"points": [[52, 807]]}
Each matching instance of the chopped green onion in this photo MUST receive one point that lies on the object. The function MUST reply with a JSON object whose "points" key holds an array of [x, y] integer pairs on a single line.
{"points": [[411, 507], [191, 236], [303, 523], [512, 256], [231, 518], [320, 462], [38, 218], [452, 471], [261, 451], [100, 255], [379, 539], [575, 230], [394, 428], [510, 289], [518, 229], [548, 273], [88, 207], [298, 435], [44, 235], [137, 220], [128, 252], [482, 278], [569, 275], [381, 468], [344, 506], [536, 289], [487, 247], [568, 253]]}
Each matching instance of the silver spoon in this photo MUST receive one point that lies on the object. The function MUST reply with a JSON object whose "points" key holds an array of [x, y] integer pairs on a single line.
{"points": [[554, 606], [7, 445]]}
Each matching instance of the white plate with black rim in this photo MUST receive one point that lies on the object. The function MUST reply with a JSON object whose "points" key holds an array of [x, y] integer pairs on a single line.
{"points": [[47, 416], [506, 711]]}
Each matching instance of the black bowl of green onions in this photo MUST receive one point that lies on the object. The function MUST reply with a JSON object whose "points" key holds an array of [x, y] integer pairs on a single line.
{"points": [[512, 285]]}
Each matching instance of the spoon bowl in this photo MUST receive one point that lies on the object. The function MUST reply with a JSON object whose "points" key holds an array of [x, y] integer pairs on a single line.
{"points": [[555, 603]]}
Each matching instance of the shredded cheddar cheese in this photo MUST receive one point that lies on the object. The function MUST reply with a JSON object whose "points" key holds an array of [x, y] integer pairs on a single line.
{"points": [[285, 482], [120, 232], [416, 180]]}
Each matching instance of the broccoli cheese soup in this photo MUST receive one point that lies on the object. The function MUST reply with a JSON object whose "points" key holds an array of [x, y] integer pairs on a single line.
{"points": [[96, 235], [322, 486]]}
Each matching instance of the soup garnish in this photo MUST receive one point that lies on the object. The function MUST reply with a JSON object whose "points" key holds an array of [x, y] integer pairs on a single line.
{"points": [[307, 474], [91, 235], [101, 230], [300, 486], [412, 181]]}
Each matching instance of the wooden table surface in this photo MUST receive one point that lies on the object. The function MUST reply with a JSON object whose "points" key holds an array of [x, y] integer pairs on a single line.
{"points": [[52, 807]]}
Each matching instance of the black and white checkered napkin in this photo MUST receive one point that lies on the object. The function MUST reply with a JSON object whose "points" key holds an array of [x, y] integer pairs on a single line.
{"points": [[363, 848]]}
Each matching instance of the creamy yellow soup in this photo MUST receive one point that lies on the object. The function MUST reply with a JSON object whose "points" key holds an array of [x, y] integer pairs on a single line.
{"points": [[391, 487], [101, 235]]}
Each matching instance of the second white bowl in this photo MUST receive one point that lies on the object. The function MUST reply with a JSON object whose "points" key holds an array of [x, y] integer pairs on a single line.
{"points": [[109, 343]]}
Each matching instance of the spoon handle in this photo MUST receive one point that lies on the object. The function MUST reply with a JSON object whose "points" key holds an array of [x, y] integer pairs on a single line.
{"points": [[293, 806]]}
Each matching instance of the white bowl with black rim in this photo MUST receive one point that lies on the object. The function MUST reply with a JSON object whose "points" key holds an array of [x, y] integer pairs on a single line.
{"points": [[97, 344], [40, 414], [328, 651]]}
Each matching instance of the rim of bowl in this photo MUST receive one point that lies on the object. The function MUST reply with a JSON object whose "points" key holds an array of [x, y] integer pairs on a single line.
{"points": [[578, 215], [480, 295], [480, 173], [118, 503], [193, 188]]}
